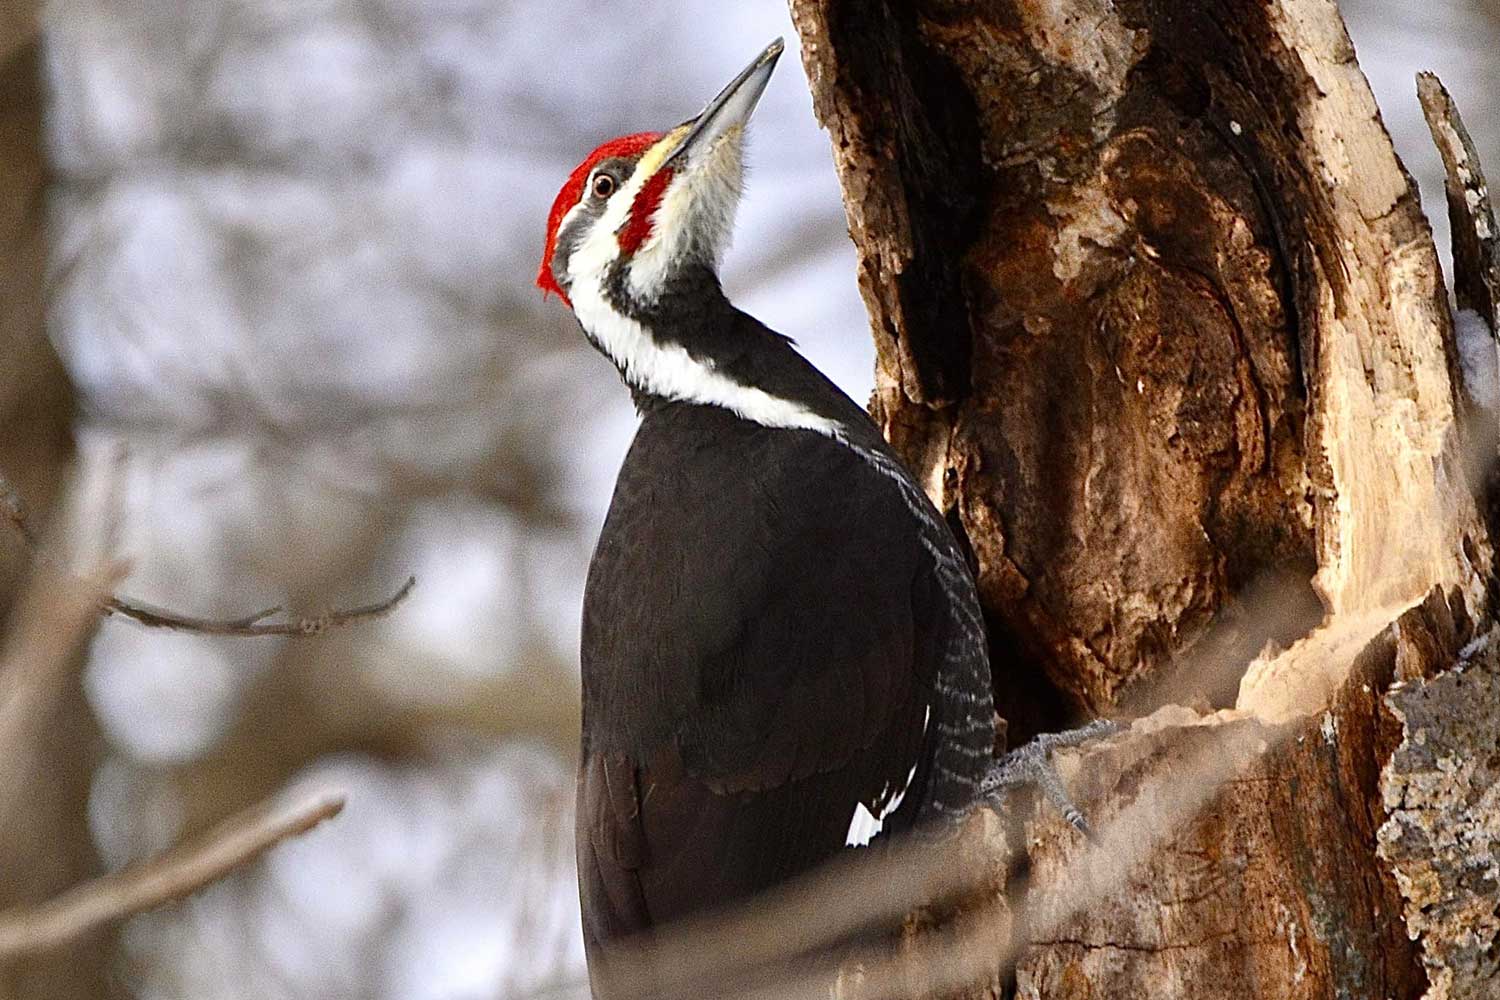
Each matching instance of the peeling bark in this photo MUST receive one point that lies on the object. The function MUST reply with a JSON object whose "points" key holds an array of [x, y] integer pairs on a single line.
{"points": [[1161, 324]]}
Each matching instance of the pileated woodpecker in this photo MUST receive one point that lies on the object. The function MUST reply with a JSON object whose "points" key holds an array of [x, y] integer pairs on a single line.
{"points": [[783, 655]]}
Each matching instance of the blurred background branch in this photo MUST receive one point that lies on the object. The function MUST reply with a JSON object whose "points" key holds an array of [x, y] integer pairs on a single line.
{"points": [[37, 669], [167, 879], [265, 303], [246, 627]]}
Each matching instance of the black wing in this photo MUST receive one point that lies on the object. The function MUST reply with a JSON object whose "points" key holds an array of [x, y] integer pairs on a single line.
{"points": [[762, 641]]}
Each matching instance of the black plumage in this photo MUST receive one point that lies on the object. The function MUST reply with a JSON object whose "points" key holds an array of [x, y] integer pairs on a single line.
{"points": [[777, 627], [783, 656]]}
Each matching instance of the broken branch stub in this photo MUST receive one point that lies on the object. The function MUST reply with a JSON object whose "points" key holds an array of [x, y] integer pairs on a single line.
{"points": [[1476, 241]]}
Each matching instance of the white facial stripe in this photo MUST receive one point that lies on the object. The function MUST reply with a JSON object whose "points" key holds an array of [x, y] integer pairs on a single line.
{"points": [[669, 371], [665, 370], [592, 258], [695, 217]]}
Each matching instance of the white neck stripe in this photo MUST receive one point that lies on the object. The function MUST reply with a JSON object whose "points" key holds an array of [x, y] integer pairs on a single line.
{"points": [[670, 372]]}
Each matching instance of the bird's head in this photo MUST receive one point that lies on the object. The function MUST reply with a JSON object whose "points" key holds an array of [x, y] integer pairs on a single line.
{"points": [[644, 210]]}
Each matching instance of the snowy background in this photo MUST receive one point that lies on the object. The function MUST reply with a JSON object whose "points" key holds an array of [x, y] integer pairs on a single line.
{"points": [[294, 243]]}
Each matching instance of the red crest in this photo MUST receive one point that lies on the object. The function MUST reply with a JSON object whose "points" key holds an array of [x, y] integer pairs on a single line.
{"points": [[628, 146]]}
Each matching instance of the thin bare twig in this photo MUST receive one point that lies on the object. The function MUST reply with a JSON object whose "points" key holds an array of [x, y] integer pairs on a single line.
{"points": [[14, 510], [166, 879], [256, 624]]}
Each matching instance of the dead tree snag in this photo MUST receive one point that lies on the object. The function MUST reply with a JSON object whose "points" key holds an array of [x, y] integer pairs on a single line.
{"points": [[1160, 319]]}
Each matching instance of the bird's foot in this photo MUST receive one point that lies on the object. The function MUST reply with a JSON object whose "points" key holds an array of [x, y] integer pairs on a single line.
{"points": [[1032, 765]]}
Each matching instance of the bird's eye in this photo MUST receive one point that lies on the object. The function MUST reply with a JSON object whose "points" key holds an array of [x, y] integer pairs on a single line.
{"points": [[604, 186]]}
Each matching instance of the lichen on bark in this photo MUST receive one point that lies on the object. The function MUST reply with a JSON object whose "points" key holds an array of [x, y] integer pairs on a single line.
{"points": [[1441, 837]]}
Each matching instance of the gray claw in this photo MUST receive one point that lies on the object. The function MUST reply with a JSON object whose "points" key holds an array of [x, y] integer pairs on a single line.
{"points": [[1032, 765]]}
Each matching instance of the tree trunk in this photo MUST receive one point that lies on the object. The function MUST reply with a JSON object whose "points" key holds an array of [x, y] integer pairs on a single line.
{"points": [[36, 407], [1160, 321], [45, 846]]}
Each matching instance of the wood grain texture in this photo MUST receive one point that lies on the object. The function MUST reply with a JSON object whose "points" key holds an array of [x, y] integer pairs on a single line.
{"points": [[1160, 321], [1266, 886], [1091, 347]]}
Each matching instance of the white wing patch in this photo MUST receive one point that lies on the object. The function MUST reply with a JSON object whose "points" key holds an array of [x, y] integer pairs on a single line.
{"points": [[865, 826]]}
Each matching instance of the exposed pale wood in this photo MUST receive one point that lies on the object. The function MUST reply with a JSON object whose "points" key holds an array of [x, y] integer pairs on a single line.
{"points": [[1160, 321], [1476, 240], [1269, 891]]}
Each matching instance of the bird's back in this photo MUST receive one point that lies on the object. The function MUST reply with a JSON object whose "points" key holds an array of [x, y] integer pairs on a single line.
{"points": [[782, 658]]}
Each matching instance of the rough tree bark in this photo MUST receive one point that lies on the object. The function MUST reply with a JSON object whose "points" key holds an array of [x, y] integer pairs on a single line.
{"points": [[1159, 318]]}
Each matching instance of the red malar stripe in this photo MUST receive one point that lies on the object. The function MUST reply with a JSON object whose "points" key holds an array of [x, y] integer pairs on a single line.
{"points": [[643, 213], [628, 146]]}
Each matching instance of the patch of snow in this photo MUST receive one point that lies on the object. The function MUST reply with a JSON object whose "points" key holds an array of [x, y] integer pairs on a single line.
{"points": [[1477, 353]]}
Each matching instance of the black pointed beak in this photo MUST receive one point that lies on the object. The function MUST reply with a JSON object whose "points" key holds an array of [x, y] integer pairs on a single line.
{"points": [[730, 110]]}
